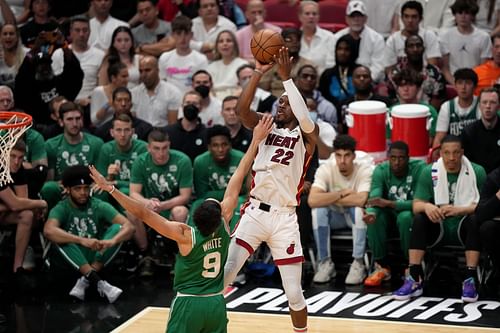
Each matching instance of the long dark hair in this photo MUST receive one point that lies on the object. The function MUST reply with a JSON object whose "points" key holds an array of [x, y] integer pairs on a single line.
{"points": [[113, 52]]}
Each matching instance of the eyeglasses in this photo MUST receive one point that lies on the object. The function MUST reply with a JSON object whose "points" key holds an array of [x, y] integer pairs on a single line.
{"points": [[308, 76]]}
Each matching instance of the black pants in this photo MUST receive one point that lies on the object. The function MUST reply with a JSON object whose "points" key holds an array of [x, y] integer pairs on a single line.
{"points": [[489, 233]]}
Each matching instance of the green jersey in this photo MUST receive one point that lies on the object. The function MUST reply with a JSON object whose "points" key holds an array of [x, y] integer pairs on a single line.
{"points": [[62, 154], [425, 188], [35, 146], [458, 122], [201, 272], [162, 181], [90, 221], [387, 186], [110, 154], [433, 114], [211, 179]]}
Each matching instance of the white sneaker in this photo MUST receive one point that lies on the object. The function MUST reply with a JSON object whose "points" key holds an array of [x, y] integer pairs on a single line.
{"points": [[29, 259], [80, 287], [111, 292], [326, 271], [357, 273]]}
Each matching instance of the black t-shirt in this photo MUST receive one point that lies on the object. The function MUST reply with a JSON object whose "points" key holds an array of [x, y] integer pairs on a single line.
{"points": [[191, 143], [19, 178], [30, 31], [141, 129], [481, 145], [242, 139]]}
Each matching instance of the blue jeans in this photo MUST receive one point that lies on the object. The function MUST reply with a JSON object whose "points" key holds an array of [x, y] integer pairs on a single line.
{"points": [[325, 219]]}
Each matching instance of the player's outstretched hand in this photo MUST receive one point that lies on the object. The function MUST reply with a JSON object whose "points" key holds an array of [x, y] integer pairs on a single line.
{"points": [[99, 180], [263, 128], [284, 62]]}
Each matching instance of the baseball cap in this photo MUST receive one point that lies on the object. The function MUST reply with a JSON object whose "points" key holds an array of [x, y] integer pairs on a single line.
{"points": [[356, 6]]}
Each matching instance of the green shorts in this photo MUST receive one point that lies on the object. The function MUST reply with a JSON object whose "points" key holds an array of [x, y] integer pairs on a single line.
{"points": [[198, 314]]}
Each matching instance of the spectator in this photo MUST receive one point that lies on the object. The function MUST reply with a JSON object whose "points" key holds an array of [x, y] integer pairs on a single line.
{"points": [[12, 56], [463, 46], [54, 129], [154, 100], [103, 25], [481, 138], [188, 134], [240, 135], [178, 65], [41, 21], [226, 62], [90, 57], [446, 193], [327, 134], [339, 192], [488, 16], [20, 10], [101, 108], [255, 13], [411, 14], [263, 100], [169, 9], [152, 36], [390, 203], [161, 180], [122, 104], [79, 228], [380, 11], [438, 16], [316, 42], [459, 112], [488, 73], [368, 43], [19, 209], [121, 49]]}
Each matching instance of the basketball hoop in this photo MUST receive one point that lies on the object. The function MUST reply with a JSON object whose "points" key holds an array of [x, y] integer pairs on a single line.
{"points": [[12, 126]]}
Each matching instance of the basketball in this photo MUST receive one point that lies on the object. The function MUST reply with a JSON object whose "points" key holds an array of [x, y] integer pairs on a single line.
{"points": [[265, 44]]}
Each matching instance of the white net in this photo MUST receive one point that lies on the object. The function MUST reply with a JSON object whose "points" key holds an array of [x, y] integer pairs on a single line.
{"points": [[8, 138]]}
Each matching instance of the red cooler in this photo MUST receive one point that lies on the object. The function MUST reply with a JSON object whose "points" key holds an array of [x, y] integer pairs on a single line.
{"points": [[366, 122], [410, 123]]}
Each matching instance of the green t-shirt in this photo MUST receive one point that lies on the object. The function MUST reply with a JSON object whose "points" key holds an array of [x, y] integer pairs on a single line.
{"points": [[387, 186], [35, 146], [434, 116], [211, 179], [62, 155], [90, 221], [201, 272], [457, 122], [110, 154], [162, 181], [425, 188]]}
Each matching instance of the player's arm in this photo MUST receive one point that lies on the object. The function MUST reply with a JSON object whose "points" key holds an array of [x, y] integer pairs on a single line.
{"points": [[15, 203], [179, 232], [233, 189]]}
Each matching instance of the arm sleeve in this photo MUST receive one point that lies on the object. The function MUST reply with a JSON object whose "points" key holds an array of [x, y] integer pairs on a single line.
{"points": [[299, 107]]}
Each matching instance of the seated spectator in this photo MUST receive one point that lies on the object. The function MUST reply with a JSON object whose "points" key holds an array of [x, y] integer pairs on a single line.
{"points": [[188, 134], [40, 21], [255, 14], [121, 49], [327, 133], [231, 10], [369, 43], [13, 54], [460, 111], [161, 179], [488, 73], [226, 62], [412, 14], [122, 104], [169, 10], [103, 25], [19, 209], [155, 101], [390, 203], [481, 138], [101, 107], [438, 16], [339, 192], [87, 233], [54, 129], [463, 46], [263, 100], [240, 135], [488, 16], [384, 16], [152, 36], [335, 84], [177, 66], [446, 193], [434, 83]]}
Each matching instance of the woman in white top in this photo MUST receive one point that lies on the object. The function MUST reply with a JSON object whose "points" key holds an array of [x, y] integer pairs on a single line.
{"points": [[12, 54], [121, 49], [227, 61], [101, 100]]}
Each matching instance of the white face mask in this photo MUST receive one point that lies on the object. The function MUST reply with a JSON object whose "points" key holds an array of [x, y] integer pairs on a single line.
{"points": [[244, 82], [313, 115]]}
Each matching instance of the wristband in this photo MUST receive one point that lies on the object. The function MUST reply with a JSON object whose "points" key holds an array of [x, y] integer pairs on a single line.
{"points": [[113, 188], [258, 71]]}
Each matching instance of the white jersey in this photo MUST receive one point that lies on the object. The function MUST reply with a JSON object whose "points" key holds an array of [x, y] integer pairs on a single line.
{"points": [[280, 167]]}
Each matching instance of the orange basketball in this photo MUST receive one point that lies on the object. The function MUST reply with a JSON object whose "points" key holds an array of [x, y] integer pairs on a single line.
{"points": [[265, 44]]}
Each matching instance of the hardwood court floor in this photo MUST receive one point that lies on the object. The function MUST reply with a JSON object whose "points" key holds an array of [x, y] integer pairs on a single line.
{"points": [[154, 320]]}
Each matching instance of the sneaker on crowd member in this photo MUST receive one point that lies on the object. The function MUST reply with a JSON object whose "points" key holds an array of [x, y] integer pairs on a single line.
{"points": [[357, 272], [109, 291], [80, 287], [410, 289], [326, 271], [146, 268], [469, 292], [29, 259], [379, 275]]}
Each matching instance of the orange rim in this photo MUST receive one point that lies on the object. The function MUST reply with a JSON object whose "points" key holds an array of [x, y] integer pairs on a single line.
{"points": [[26, 119]]}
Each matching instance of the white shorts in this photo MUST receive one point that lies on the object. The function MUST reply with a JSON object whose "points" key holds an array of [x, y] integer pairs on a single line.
{"points": [[277, 226]]}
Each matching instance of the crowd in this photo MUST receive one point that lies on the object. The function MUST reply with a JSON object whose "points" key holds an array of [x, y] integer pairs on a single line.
{"points": [[147, 91]]}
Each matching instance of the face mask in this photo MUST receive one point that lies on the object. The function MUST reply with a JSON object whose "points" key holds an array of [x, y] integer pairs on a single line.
{"points": [[191, 112], [203, 91], [313, 115]]}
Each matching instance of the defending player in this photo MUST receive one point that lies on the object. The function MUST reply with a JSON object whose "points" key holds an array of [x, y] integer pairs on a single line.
{"points": [[202, 248], [279, 170]]}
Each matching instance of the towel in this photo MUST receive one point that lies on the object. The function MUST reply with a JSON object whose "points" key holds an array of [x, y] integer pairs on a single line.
{"points": [[466, 192]]}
